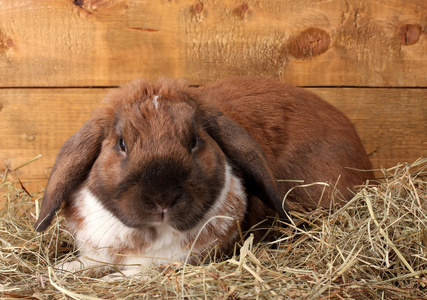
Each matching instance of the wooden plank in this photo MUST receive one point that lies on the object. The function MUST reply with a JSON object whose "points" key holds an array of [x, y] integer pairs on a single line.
{"points": [[38, 121], [311, 43], [391, 122]]}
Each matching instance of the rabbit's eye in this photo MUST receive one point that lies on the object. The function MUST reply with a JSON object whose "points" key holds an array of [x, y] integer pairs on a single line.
{"points": [[122, 145], [195, 143]]}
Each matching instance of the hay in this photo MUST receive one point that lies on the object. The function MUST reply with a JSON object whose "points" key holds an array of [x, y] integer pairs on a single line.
{"points": [[374, 247]]}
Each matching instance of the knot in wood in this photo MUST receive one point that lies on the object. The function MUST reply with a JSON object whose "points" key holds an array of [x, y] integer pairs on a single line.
{"points": [[197, 8], [309, 43], [240, 10], [409, 34], [5, 43]]}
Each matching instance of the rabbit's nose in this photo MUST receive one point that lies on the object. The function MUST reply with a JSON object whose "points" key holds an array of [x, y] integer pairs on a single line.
{"points": [[169, 199]]}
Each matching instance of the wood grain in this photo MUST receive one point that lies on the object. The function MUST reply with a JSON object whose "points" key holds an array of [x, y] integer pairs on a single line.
{"points": [[38, 121], [392, 123], [70, 43]]}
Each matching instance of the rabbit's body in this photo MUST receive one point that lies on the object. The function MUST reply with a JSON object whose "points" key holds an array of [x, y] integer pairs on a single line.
{"points": [[164, 168], [305, 139]]}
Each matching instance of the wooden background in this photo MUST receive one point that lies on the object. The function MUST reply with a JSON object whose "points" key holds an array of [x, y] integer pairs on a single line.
{"points": [[58, 58]]}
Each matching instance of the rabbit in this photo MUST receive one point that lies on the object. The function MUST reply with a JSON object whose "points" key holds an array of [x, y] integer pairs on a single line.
{"points": [[166, 172]]}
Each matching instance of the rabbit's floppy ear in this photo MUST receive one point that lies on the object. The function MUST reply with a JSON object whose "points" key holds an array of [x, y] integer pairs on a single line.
{"points": [[248, 157], [71, 168]]}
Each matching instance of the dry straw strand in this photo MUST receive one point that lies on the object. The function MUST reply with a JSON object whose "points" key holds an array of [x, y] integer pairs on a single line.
{"points": [[373, 247]]}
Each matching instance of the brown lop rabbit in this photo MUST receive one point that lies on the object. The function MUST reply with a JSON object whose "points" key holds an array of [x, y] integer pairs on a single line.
{"points": [[163, 171]]}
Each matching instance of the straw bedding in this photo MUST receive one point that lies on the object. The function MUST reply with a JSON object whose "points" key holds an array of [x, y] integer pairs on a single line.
{"points": [[373, 248]]}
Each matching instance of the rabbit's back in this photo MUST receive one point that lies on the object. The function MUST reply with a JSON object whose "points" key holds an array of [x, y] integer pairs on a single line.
{"points": [[306, 140]]}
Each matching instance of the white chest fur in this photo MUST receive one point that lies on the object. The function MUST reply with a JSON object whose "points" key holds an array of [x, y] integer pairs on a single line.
{"points": [[101, 237]]}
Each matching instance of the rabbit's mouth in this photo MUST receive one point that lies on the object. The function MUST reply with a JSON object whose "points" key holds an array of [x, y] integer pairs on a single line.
{"points": [[163, 216]]}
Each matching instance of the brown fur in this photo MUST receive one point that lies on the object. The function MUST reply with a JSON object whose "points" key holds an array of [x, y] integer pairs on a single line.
{"points": [[175, 154], [303, 137]]}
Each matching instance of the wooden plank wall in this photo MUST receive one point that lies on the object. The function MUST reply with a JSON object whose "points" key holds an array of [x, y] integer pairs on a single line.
{"points": [[59, 58]]}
